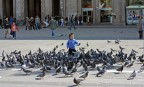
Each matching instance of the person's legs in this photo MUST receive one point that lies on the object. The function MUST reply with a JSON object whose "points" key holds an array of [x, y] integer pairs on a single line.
{"points": [[36, 24], [74, 26], [53, 33], [15, 35], [140, 34], [6, 32]]}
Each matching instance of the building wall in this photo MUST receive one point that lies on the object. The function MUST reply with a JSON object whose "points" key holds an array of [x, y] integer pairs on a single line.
{"points": [[70, 7]]}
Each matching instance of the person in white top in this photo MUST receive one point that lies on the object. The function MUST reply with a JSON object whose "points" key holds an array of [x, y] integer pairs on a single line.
{"points": [[62, 21]]}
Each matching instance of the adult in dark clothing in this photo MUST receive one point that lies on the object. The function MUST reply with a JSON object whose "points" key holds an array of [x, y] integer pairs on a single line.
{"points": [[7, 28], [72, 22]]}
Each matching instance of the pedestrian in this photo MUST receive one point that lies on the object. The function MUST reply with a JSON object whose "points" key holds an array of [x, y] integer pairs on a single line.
{"points": [[76, 20], [71, 44], [27, 23], [72, 23], [11, 20], [14, 29], [53, 25], [1, 23], [7, 28], [37, 23], [80, 20], [62, 22], [140, 27], [66, 21]]}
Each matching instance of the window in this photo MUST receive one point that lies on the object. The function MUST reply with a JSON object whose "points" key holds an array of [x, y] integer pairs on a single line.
{"points": [[135, 2], [107, 3]]}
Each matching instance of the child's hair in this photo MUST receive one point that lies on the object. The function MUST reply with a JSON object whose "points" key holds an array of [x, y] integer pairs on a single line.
{"points": [[71, 34]]}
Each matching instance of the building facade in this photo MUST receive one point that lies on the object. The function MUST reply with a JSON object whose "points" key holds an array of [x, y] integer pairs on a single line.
{"points": [[115, 12]]}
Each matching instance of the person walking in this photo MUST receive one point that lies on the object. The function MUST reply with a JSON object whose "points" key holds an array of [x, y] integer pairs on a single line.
{"points": [[72, 23], [140, 27], [14, 29], [37, 23], [27, 23], [53, 25], [7, 28], [71, 44]]}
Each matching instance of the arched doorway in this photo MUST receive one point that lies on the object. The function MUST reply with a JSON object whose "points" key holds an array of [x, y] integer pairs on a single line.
{"points": [[33, 8], [8, 8], [56, 7]]}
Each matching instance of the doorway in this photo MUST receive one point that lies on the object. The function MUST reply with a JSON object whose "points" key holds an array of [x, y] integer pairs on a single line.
{"points": [[8, 8], [87, 14], [106, 15], [33, 8], [56, 7]]}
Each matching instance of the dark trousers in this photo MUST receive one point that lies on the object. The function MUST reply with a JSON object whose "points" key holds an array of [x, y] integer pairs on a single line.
{"points": [[72, 25], [14, 34], [140, 34], [71, 51]]}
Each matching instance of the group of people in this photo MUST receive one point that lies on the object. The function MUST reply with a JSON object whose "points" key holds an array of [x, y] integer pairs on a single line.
{"points": [[9, 24]]}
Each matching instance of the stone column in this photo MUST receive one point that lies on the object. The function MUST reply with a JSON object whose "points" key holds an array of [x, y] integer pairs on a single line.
{"points": [[46, 7], [71, 7], [14, 8], [1, 8], [116, 9], [97, 13], [79, 7], [43, 11], [20, 9], [123, 13]]}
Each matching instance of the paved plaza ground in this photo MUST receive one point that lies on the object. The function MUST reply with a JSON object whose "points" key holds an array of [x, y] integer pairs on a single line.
{"points": [[82, 33], [16, 78], [96, 37]]}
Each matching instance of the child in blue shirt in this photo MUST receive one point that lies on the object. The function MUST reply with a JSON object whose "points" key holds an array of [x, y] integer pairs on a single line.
{"points": [[71, 44]]}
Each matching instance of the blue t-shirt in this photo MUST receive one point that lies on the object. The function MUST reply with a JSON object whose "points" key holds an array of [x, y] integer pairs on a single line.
{"points": [[71, 44]]}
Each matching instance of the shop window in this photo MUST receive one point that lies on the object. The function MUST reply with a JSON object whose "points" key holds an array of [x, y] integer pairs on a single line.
{"points": [[135, 2], [87, 4]]}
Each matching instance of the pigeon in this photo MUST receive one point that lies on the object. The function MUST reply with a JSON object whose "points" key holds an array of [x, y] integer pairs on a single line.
{"points": [[67, 73], [58, 70], [62, 44], [117, 41], [85, 75], [130, 65], [101, 72], [120, 69], [74, 70], [87, 44], [108, 41], [77, 81], [142, 68], [121, 48], [41, 75], [28, 72], [132, 76], [113, 50]]}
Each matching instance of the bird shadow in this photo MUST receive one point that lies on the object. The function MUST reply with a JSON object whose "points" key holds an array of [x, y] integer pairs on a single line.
{"points": [[20, 75], [130, 79], [72, 85], [64, 77], [117, 73]]}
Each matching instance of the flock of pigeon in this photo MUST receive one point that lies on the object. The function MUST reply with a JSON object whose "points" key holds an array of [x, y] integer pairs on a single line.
{"points": [[63, 63]]}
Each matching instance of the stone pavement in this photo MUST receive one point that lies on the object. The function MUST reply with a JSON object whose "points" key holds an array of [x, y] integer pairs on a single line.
{"points": [[16, 78], [85, 33]]}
